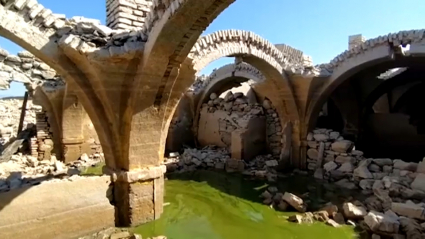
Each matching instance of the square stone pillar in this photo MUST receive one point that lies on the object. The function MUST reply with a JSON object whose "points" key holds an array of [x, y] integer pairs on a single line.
{"points": [[138, 195], [236, 146], [72, 131], [355, 40], [127, 14]]}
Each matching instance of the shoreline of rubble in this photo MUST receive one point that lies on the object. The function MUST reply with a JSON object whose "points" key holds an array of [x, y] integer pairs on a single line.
{"points": [[26, 170], [117, 233], [394, 190]]}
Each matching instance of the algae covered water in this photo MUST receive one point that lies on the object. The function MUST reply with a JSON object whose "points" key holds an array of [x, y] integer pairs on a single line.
{"points": [[212, 205]]}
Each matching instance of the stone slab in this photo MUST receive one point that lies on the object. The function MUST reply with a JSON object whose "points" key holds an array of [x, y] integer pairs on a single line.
{"points": [[63, 209]]}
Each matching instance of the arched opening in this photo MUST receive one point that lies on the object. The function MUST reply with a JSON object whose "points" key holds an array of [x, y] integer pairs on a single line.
{"points": [[232, 111], [31, 130], [272, 84], [383, 127], [330, 117], [392, 125]]}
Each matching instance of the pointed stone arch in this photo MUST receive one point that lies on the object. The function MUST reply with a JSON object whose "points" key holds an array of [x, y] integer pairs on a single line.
{"points": [[254, 50], [242, 72], [380, 53]]}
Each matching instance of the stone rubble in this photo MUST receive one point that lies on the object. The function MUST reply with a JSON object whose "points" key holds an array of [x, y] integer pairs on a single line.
{"points": [[117, 233], [212, 157], [394, 189], [26, 170], [244, 107]]}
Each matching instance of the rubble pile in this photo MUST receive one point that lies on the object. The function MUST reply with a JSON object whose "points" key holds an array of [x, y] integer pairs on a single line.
{"points": [[394, 190], [118, 233], [26, 170], [381, 220], [98, 35], [234, 103], [243, 107], [212, 157]]}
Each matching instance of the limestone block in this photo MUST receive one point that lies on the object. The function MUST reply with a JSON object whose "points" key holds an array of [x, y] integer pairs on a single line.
{"points": [[295, 201], [419, 182], [341, 146], [352, 211], [407, 210], [379, 222]]}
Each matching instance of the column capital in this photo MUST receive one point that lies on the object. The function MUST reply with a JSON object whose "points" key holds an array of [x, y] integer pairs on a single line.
{"points": [[136, 175], [72, 140]]}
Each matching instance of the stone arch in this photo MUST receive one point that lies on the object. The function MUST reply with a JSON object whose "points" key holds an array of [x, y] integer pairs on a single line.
{"points": [[221, 75], [48, 90], [381, 53], [256, 51], [406, 97], [33, 27], [241, 72], [39, 80], [26, 69], [205, 85], [387, 86], [46, 36], [51, 102]]}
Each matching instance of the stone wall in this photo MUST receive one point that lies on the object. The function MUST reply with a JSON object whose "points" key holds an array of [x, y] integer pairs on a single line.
{"points": [[274, 129], [224, 121], [42, 145], [10, 113], [127, 14], [44, 137], [235, 123], [27, 69]]}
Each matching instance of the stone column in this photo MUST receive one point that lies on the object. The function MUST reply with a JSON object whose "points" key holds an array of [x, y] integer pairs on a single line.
{"points": [[72, 128], [137, 195]]}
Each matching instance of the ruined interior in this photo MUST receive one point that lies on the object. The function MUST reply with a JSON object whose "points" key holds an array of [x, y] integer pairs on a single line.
{"points": [[354, 121]]}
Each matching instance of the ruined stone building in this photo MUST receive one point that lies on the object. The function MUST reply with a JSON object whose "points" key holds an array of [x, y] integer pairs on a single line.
{"points": [[135, 91]]}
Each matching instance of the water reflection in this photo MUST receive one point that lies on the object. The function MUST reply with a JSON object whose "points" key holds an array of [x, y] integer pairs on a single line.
{"points": [[212, 205]]}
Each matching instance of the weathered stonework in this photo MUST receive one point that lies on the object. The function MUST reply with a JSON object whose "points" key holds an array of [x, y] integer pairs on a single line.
{"points": [[131, 109], [26, 69]]}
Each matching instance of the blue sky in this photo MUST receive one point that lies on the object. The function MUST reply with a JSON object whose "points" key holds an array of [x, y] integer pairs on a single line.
{"points": [[320, 28]]}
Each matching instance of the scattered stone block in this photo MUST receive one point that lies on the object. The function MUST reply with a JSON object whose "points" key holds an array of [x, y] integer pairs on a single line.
{"points": [[295, 201], [352, 211], [408, 210], [381, 223]]}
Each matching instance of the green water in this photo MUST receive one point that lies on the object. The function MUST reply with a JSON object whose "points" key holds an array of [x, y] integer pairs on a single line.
{"points": [[211, 205], [91, 171]]}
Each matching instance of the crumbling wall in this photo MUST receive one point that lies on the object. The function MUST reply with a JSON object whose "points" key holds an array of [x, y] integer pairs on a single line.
{"points": [[235, 115], [274, 129], [44, 137], [41, 146], [10, 113]]}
